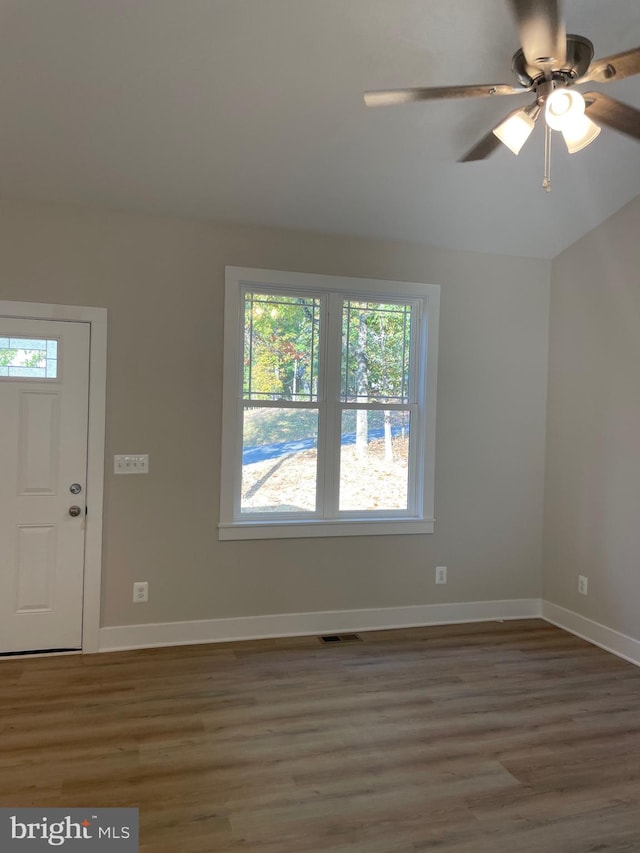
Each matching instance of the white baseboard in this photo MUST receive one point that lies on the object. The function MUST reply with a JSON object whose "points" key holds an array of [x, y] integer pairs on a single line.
{"points": [[121, 638], [606, 638]]}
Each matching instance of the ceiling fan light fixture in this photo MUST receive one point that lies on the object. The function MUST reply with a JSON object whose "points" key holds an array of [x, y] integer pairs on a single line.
{"points": [[516, 129], [580, 133], [563, 107]]}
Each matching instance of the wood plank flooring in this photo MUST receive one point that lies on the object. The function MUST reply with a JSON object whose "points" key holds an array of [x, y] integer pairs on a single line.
{"points": [[488, 738]]}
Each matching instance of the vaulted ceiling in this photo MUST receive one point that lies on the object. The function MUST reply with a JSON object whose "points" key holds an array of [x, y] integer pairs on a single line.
{"points": [[251, 111]]}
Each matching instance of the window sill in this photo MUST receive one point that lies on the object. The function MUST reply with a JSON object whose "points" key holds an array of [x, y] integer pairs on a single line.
{"points": [[308, 529]]}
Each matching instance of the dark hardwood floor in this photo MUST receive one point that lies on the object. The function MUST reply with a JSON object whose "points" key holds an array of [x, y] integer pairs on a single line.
{"points": [[489, 738]]}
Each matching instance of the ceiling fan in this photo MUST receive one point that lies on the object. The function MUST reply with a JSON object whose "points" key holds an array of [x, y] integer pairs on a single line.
{"points": [[549, 64]]}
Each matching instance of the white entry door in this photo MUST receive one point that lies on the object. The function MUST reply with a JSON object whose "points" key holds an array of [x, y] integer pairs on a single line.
{"points": [[44, 392]]}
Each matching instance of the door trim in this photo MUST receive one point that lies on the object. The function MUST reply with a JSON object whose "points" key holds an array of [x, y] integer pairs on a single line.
{"points": [[97, 320]]}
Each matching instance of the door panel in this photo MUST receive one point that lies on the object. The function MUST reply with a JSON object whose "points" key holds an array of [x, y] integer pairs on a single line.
{"points": [[39, 442], [36, 567], [43, 450]]}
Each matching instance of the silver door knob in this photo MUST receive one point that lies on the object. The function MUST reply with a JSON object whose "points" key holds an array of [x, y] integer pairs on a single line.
{"points": [[75, 488], [74, 511]]}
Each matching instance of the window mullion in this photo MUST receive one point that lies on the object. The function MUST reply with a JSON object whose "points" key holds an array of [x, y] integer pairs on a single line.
{"points": [[330, 416]]}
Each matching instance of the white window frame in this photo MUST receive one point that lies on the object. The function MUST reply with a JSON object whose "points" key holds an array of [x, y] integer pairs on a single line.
{"points": [[425, 299]]}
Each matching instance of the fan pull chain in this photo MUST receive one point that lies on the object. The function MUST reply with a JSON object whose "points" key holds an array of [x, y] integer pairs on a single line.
{"points": [[546, 182]]}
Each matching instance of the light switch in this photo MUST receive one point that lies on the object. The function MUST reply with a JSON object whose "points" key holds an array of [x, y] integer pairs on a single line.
{"points": [[131, 463]]}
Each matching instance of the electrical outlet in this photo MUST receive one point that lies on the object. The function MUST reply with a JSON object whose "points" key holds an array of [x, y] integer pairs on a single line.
{"points": [[140, 591], [583, 583], [441, 574]]}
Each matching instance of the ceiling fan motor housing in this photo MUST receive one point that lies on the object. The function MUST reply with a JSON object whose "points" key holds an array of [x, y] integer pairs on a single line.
{"points": [[579, 56]]}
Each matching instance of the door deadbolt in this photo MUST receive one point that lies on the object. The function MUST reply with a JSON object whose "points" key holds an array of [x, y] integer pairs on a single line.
{"points": [[74, 511], [75, 488]]}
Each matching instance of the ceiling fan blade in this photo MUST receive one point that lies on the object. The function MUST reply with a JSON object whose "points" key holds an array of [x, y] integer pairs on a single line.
{"points": [[615, 67], [615, 114], [390, 97], [483, 149], [542, 33]]}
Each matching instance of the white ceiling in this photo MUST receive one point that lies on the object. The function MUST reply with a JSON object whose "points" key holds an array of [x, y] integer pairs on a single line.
{"points": [[251, 111]]}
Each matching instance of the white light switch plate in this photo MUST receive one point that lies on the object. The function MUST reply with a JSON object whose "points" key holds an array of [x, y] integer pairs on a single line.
{"points": [[131, 463]]}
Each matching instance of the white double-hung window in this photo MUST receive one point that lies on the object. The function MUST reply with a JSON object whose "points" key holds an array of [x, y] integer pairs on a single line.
{"points": [[329, 405]]}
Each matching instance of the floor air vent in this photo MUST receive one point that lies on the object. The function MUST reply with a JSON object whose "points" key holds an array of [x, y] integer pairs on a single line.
{"points": [[340, 638]]}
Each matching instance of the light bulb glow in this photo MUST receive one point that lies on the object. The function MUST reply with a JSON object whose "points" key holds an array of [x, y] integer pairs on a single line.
{"points": [[580, 133], [562, 108], [515, 130]]}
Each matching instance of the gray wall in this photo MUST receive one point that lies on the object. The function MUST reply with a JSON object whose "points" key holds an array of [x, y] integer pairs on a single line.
{"points": [[162, 281], [592, 496]]}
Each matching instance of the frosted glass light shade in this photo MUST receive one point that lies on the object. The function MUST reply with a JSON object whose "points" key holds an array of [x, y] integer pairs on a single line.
{"points": [[563, 106], [580, 133], [515, 130]]}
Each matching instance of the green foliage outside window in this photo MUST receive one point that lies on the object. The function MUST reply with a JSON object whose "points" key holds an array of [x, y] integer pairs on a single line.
{"points": [[32, 358], [281, 347], [375, 352]]}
